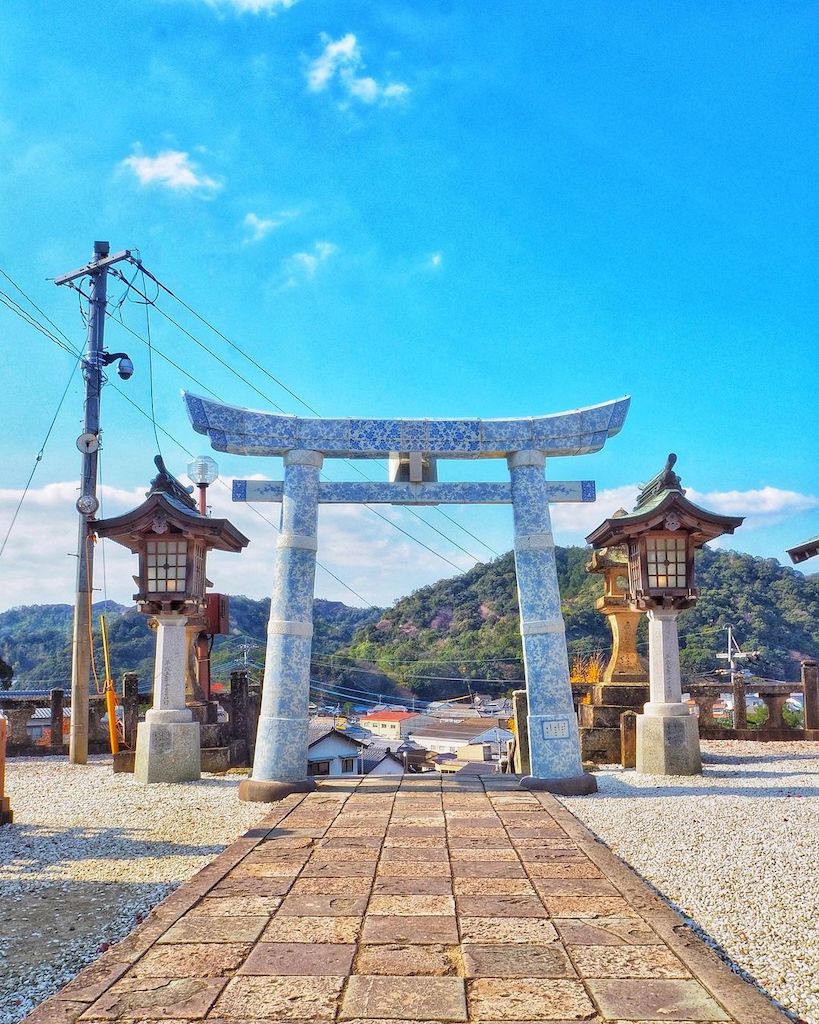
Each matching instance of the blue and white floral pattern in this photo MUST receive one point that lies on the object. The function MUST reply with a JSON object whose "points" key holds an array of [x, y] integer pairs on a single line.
{"points": [[281, 751], [357, 492], [553, 737], [248, 432]]}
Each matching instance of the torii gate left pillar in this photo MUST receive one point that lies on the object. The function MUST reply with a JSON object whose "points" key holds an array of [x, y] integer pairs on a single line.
{"points": [[280, 761]]}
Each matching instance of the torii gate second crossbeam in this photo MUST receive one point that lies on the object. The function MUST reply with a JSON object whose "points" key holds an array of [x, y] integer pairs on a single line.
{"points": [[413, 448]]}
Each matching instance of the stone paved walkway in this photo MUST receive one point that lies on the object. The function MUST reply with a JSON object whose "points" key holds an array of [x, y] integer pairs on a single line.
{"points": [[412, 899]]}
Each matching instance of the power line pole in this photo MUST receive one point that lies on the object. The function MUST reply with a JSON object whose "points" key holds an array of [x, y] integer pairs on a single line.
{"points": [[732, 655], [94, 359]]}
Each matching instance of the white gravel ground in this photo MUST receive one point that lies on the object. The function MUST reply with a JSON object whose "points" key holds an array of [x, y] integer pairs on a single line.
{"points": [[736, 850], [88, 855]]}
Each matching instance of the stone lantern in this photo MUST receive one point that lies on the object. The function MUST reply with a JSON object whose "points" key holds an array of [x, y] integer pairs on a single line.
{"points": [[171, 538], [624, 686], [660, 537]]}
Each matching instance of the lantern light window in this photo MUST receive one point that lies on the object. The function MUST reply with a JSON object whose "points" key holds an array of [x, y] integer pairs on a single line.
{"points": [[166, 566], [666, 562]]}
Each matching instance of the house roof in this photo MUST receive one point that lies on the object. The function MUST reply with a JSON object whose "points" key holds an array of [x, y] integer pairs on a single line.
{"points": [[659, 498], [168, 507], [478, 768], [457, 732], [373, 758], [389, 716], [495, 734], [316, 733]]}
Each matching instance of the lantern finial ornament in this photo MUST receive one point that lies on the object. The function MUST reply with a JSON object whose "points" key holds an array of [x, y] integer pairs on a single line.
{"points": [[665, 480]]}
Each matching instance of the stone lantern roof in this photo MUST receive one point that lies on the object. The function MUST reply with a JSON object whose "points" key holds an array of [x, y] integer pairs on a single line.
{"points": [[662, 504], [169, 508], [808, 549]]}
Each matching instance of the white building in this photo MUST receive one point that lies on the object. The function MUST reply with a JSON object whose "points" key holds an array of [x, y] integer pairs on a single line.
{"points": [[330, 753]]}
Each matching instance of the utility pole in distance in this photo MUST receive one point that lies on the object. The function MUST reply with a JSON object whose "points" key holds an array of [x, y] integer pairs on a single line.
{"points": [[94, 359], [732, 655]]}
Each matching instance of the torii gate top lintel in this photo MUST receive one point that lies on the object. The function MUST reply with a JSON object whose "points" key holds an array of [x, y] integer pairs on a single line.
{"points": [[249, 432]]}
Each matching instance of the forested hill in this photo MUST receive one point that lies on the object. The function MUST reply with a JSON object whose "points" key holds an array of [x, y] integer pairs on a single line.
{"points": [[36, 639], [463, 627], [467, 626]]}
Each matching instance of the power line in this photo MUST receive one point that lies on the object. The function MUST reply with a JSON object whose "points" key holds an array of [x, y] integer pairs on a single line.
{"points": [[307, 406], [51, 337], [267, 398], [15, 307]]}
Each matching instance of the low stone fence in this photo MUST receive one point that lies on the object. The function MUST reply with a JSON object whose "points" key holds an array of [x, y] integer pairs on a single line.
{"points": [[775, 696]]}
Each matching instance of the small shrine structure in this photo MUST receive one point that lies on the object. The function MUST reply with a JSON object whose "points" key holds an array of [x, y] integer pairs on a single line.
{"points": [[172, 538], [660, 537], [413, 448]]}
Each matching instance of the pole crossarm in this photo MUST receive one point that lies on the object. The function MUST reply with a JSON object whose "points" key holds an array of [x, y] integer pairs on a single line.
{"points": [[94, 267], [404, 493], [248, 432]]}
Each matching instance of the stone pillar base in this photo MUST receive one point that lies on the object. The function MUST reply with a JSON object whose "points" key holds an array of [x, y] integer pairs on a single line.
{"points": [[575, 785], [268, 791], [167, 751], [668, 745]]}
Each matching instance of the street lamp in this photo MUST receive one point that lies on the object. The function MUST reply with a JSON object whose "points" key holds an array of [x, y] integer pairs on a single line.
{"points": [[660, 536], [202, 472]]}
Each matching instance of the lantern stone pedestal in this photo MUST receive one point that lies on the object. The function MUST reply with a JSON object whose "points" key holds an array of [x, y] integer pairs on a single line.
{"points": [[668, 740], [167, 747]]}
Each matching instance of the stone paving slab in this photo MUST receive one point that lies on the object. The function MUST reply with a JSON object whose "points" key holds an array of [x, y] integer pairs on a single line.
{"points": [[424, 900]]}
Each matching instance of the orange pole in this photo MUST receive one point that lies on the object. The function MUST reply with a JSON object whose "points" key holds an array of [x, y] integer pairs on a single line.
{"points": [[110, 691], [111, 706]]}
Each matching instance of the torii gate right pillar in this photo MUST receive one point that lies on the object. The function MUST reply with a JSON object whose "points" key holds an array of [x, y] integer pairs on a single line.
{"points": [[553, 735]]}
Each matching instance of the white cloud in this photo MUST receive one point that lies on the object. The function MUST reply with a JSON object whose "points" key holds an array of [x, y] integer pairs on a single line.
{"points": [[260, 227], [172, 169], [763, 507], [336, 54], [38, 566], [339, 63], [254, 6], [303, 265], [436, 260], [573, 520]]}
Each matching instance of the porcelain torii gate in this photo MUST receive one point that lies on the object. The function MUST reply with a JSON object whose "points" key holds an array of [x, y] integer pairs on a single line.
{"points": [[412, 446]]}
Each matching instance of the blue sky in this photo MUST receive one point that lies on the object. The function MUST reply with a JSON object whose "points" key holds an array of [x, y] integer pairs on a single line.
{"points": [[420, 209]]}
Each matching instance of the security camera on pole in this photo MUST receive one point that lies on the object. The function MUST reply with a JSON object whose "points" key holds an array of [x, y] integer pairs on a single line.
{"points": [[88, 442]]}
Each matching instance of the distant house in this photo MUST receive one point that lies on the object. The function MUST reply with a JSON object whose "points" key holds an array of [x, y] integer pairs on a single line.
{"points": [[331, 753], [38, 726], [380, 759], [447, 737], [391, 725]]}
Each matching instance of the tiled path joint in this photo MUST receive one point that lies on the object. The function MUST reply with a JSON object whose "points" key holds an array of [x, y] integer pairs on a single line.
{"points": [[414, 899]]}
